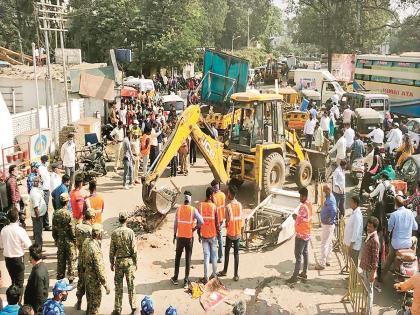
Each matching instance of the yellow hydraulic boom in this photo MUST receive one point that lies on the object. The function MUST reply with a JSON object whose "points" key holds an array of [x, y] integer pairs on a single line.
{"points": [[211, 149]]}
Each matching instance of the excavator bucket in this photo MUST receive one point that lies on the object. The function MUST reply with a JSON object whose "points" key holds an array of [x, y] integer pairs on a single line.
{"points": [[160, 199]]}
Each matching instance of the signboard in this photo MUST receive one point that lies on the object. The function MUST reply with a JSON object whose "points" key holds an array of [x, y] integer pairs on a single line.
{"points": [[342, 67]]}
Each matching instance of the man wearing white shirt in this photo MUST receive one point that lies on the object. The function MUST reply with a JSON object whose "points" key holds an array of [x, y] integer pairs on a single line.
{"points": [[395, 138], [68, 156], [335, 111], [349, 136], [377, 136], [55, 177], [381, 187], [325, 124], [339, 186], [118, 136], [38, 210], [309, 130], [14, 240], [353, 231], [347, 115], [46, 186], [340, 147]]}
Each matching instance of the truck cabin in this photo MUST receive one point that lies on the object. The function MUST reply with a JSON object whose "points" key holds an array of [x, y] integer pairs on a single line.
{"points": [[260, 122], [378, 102]]}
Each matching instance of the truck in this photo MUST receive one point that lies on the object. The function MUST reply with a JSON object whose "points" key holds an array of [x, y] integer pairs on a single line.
{"points": [[223, 75], [318, 80]]}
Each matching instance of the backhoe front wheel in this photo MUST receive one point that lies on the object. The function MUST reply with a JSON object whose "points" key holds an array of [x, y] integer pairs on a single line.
{"points": [[303, 174], [274, 173]]}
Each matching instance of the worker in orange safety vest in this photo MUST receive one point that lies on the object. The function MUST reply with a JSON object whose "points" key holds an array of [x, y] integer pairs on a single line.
{"points": [[219, 200], [207, 233], [184, 227], [303, 226], [233, 231]]}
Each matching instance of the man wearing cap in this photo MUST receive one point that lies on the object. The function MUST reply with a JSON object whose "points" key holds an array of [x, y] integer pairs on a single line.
{"points": [[219, 199], [38, 209], [94, 271], [135, 129], [146, 306], [46, 186], [184, 227], [123, 259], [54, 306], [394, 138], [83, 231], [64, 236], [171, 311]]}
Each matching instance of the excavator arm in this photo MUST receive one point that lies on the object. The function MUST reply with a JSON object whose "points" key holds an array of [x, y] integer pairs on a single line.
{"points": [[211, 149]]}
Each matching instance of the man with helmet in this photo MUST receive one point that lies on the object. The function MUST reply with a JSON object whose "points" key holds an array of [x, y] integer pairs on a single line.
{"points": [[54, 306]]}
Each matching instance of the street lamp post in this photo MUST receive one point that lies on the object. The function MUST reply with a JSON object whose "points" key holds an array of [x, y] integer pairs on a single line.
{"points": [[249, 13], [233, 39]]}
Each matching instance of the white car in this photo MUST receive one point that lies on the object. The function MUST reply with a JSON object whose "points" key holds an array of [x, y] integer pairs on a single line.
{"points": [[413, 126], [169, 100]]}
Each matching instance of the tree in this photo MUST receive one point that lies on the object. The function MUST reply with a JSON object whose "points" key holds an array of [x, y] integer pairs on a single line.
{"points": [[343, 26], [17, 20], [213, 19], [406, 38], [274, 26]]}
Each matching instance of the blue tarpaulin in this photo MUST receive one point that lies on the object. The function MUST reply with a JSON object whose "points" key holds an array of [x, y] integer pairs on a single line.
{"points": [[223, 75]]}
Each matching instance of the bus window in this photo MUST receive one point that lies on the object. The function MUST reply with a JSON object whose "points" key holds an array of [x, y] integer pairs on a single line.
{"points": [[402, 81]]}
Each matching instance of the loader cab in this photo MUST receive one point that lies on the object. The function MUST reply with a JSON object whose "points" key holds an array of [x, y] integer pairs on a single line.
{"points": [[260, 122]]}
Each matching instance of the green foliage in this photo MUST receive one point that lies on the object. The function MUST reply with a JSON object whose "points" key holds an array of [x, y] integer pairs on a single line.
{"points": [[257, 57], [407, 38], [16, 16]]}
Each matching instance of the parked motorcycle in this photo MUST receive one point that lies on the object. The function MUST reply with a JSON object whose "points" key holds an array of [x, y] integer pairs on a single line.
{"points": [[91, 163]]}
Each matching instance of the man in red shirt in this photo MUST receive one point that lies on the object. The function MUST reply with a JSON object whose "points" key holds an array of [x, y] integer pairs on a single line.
{"points": [[77, 200], [13, 194]]}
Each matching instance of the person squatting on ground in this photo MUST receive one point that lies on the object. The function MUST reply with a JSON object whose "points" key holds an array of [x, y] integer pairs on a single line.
{"points": [[94, 271], [303, 226], [184, 227], [123, 259], [233, 231], [208, 232], [83, 231], [64, 237]]}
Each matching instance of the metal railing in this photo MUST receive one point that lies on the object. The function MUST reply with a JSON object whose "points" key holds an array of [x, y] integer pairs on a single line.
{"points": [[357, 292]]}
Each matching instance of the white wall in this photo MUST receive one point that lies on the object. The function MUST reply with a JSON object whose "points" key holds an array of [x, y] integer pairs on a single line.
{"points": [[6, 135]]}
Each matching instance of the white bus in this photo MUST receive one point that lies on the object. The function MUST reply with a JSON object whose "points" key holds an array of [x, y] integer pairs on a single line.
{"points": [[397, 76]]}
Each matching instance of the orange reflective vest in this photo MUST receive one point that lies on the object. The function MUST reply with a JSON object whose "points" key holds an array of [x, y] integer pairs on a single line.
{"points": [[145, 148], [303, 228], [234, 225], [219, 199], [207, 211], [185, 221]]}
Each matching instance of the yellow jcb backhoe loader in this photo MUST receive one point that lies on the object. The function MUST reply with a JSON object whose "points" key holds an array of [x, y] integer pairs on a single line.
{"points": [[258, 150]]}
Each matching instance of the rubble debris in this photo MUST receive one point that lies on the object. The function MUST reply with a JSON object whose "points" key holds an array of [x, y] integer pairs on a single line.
{"points": [[143, 220]]}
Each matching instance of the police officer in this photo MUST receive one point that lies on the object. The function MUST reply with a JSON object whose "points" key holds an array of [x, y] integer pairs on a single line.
{"points": [[183, 235], [83, 231], [94, 270], [233, 231], [64, 236], [123, 258], [60, 293]]}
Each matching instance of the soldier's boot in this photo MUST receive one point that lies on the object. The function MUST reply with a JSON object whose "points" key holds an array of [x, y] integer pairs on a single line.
{"points": [[114, 312], [78, 305]]}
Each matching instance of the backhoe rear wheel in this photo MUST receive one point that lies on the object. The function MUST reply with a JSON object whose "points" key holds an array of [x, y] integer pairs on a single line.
{"points": [[274, 173], [303, 174]]}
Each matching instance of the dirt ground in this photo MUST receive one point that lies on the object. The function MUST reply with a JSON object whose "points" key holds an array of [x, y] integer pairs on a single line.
{"points": [[264, 270]]}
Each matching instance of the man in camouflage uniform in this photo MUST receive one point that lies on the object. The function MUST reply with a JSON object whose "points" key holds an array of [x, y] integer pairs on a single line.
{"points": [[94, 271], [63, 234], [83, 231], [123, 258]]}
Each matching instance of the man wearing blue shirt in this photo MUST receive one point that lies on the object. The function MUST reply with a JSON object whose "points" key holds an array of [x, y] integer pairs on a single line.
{"points": [[328, 221], [402, 224], [62, 188]]}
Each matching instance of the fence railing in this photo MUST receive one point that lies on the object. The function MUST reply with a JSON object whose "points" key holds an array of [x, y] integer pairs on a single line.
{"points": [[357, 292]]}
